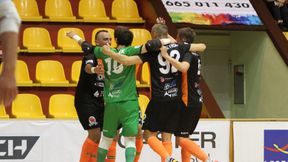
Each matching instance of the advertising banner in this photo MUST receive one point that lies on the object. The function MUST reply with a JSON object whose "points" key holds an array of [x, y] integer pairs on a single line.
{"points": [[216, 12], [260, 141], [213, 136]]}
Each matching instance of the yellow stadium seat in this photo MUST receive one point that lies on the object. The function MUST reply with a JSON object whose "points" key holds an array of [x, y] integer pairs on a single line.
{"points": [[143, 102], [145, 74], [37, 39], [286, 35], [3, 114], [141, 36], [28, 10], [59, 11], [62, 106], [75, 71], [27, 106], [92, 11], [22, 74], [110, 30], [50, 73], [126, 11], [67, 44]]}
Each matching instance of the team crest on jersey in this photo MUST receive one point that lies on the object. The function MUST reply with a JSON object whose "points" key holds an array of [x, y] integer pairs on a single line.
{"points": [[92, 121]]}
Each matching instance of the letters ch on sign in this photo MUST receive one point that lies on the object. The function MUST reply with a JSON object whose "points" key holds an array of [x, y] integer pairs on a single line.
{"points": [[16, 147]]}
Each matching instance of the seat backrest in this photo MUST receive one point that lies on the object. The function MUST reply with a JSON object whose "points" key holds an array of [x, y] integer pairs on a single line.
{"points": [[3, 114], [143, 102], [92, 9], [27, 106], [124, 9], [36, 37], [145, 73], [50, 71], [110, 31], [27, 8], [141, 36], [58, 8], [65, 42], [22, 72], [75, 71], [62, 106], [286, 35]]}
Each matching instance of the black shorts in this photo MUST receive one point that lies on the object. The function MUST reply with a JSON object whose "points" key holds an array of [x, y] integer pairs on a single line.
{"points": [[189, 119], [90, 114], [162, 116]]}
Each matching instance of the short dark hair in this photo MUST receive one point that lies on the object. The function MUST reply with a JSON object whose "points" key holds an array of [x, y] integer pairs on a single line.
{"points": [[100, 31], [186, 34], [123, 36]]}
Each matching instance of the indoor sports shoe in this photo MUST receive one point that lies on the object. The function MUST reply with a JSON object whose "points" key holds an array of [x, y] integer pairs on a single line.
{"points": [[171, 160]]}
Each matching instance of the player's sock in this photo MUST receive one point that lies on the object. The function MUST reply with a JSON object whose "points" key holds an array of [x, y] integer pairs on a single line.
{"points": [[168, 147], [111, 155], [185, 155], [89, 151], [102, 153], [139, 146], [157, 146], [193, 148], [130, 154]]}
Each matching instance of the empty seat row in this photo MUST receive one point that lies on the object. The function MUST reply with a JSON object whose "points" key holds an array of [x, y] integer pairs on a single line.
{"points": [[28, 106], [61, 106], [88, 11], [37, 39], [50, 73]]}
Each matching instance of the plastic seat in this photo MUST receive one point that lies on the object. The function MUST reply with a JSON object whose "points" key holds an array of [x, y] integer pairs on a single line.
{"points": [[92, 11], [145, 74], [22, 74], [110, 30], [27, 106], [3, 114], [62, 106], [75, 71], [286, 35], [37, 39], [67, 44], [143, 102], [59, 11], [51, 73], [141, 36], [28, 10], [126, 11]]}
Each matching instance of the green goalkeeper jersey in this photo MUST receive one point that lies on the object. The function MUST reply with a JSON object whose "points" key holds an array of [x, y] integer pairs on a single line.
{"points": [[120, 81]]}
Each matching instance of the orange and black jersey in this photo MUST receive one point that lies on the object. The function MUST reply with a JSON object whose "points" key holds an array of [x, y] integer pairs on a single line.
{"points": [[89, 85], [166, 79], [190, 82]]}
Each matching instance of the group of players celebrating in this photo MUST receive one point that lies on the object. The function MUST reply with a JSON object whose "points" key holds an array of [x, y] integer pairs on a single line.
{"points": [[175, 104]]}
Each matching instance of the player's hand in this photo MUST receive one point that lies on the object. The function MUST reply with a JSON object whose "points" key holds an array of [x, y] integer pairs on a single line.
{"points": [[160, 20], [8, 89], [99, 69], [106, 50], [70, 34], [164, 53]]}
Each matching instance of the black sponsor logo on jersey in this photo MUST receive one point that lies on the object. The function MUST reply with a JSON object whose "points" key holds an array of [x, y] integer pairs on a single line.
{"points": [[16, 147]]}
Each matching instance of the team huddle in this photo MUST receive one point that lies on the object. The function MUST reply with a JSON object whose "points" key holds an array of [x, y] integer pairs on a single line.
{"points": [[175, 104]]}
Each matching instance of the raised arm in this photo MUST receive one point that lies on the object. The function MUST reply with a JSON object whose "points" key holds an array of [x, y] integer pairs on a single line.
{"points": [[181, 66], [197, 47], [122, 59]]}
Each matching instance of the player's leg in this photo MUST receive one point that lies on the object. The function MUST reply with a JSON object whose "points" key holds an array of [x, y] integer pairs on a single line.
{"points": [[166, 141], [111, 155], [187, 124], [129, 120], [91, 118], [110, 124], [139, 143], [153, 122]]}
